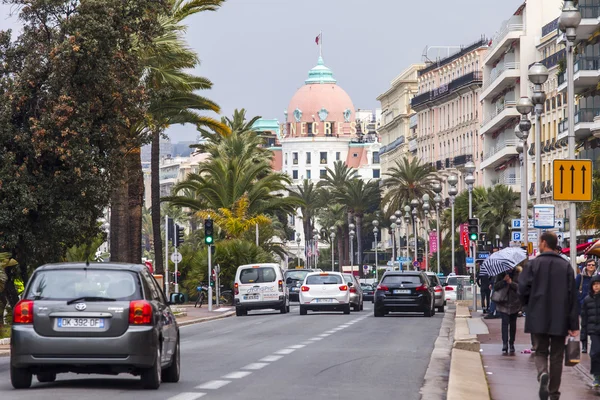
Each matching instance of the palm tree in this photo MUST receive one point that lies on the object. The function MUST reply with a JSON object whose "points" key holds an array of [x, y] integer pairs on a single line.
{"points": [[333, 217], [407, 180], [496, 213], [309, 197], [336, 178]]}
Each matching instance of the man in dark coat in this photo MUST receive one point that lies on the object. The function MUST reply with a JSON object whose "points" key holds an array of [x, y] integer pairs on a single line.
{"points": [[547, 287], [485, 287]]}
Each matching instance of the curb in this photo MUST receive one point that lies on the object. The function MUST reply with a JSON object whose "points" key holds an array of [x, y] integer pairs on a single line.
{"points": [[435, 382], [5, 341]]}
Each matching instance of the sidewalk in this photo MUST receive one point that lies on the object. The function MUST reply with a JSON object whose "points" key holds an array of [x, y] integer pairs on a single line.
{"points": [[515, 377]]}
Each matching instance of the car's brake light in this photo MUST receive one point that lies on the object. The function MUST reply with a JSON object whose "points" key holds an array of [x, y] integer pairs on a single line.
{"points": [[280, 285], [140, 312], [343, 288], [236, 288], [449, 288], [305, 288], [438, 289], [23, 312], [421, 288], [383, 288], [352, 290]]}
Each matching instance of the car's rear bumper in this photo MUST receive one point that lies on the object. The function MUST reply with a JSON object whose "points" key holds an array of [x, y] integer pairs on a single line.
{"points": [[403, 305], [294, 296], [261, 305], [135, 348], [354, 298], [325, 307], [440, 301]]}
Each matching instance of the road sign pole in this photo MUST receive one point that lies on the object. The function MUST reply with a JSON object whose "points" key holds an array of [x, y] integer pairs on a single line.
{"points": [[208, 278], [437, 235], [167, 256], [571, 147], [176, 271]]}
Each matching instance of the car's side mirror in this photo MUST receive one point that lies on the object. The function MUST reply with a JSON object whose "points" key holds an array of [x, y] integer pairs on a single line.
{"points": [[177, 298], [350, 284], [288, 281]]}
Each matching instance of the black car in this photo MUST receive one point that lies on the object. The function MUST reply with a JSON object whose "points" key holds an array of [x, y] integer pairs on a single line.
{"points": [[408, 291], [294, 279], [368, 291]]}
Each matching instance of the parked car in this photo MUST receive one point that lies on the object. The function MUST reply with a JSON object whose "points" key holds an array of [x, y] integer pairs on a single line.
{"points": [[368, 291], [408, 291], [440, 293], [106, 318], [293, 280], [356, 292], [260, 287], [324, 291], [451, 286]]}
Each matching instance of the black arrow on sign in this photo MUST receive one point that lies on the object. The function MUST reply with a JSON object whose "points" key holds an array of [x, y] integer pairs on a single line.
{"points": [[561, 177], [572, 179], [583, 184]]}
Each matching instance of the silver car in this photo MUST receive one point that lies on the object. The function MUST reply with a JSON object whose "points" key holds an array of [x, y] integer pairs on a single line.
{"points": [[97, 318], [356, 292], [440, 292]]}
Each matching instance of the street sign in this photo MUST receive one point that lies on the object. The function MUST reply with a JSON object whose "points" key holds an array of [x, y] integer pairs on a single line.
{"points": [[559, 223], [543, 216], [483, 255], [405, 259], [469, 260], [516, 236], [572, 180], [366, 267], [560, 236], [533, 237], [176, 257], [416, 264], [516, 224]]}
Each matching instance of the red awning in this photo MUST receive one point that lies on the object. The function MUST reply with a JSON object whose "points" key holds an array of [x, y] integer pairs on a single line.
{"points": [[581, 248]]}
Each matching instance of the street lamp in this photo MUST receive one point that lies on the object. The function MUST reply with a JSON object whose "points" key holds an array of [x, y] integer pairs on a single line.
{"points": [[452, 192], [413, 204], [426, 208], [393, 220], [524, 107], [407, 220], [315, 239], [437, 189], [332, 237], [470, 180], [298, 240], [375, 232], [568, 22], [398, 215], [538, 75], [351, 234]]}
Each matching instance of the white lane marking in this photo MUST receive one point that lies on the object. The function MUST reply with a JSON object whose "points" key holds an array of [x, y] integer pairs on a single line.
{"points": [[344, 326], [325, 334], [306, 343], [255, 366], [285, 351], [187, 396], [297, 346], [315, 339], [213, 385], [237, 375], [271, 358], [331, 331]]}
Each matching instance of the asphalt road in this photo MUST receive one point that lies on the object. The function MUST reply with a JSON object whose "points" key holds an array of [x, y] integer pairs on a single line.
{"points": [[272, 356]]}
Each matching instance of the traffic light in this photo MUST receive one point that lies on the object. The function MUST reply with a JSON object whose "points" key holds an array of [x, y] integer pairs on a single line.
{"points": [[473, 229], [171, 230], [178, 235], [208, 231]]}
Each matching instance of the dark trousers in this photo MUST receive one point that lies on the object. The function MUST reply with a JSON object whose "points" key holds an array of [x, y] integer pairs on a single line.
{"points": [[485, 298], [553, 346], [509, 321], [595, 355]]}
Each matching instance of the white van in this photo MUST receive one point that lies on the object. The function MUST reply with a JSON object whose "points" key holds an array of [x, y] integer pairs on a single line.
{"points": [[260, 287]]}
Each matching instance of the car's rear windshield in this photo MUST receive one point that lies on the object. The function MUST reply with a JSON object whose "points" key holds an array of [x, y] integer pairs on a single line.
{"points": [[400, 279], [348, 278], [258, 275], [68, 284], [366, 286], [296, 275], [432, 280], [452, 281], [323, 279]]}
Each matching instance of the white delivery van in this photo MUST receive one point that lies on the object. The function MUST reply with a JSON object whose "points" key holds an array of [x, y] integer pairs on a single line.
{"points": [[260, 287]]}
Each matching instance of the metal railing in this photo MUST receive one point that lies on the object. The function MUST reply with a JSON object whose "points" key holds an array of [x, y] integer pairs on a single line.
{"points": [[447, 89], [589, 10], [507, 177], [496, 73], [499, 109], [499, 146], [582, 115], [511, 26]]}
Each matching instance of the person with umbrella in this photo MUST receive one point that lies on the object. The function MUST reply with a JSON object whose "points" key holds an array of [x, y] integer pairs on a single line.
{"points": [[583, 284]]}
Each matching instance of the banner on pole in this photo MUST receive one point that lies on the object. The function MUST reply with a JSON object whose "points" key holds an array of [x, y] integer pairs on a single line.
{"points": [[464, 236], [433, 243]]}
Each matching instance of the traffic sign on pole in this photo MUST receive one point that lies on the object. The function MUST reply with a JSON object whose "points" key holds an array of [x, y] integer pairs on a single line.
{"points": [[572, 180], [176, 257]]}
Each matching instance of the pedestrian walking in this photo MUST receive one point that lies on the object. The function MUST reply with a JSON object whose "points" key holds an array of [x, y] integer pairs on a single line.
{"points": [[485, 288], [590, 325], [507, 290], [582, 282], [492, 308], [547, 287]]}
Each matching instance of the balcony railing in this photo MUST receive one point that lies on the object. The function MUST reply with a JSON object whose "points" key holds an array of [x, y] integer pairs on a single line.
{"points": [[498, 110], [500, 145], [589, 10], [582, 115], [550, 27], [511, 25], [507, 177], [448, 89], [499, 71], [582, 63], [553, 59], [391, 146]]}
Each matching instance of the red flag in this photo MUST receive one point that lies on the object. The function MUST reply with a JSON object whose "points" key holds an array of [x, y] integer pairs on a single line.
{"points": [[318, 39]]}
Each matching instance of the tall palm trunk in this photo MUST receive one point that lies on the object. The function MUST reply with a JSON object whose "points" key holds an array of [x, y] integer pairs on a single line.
{"points": [[119, 221], [155, 199], [135, 205], [358, 218], [340, 246]]}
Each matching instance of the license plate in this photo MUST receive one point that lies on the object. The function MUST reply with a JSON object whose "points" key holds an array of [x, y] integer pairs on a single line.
{"points": [[402, 291], [251, 297], [294, 289], [80, 323], [324, 300]]}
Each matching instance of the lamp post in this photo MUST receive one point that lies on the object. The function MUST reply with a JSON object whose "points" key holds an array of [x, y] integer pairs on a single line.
{"points": [[470, 180], [426, 208], [397, 240], [393, 229], [437, 189], [568, 22], [375, 232], [407, 219], [452, 192], [315, 239], [332, 237], [538, 75], [298, 240], [524, 107], [414, 203], [351, 235]]}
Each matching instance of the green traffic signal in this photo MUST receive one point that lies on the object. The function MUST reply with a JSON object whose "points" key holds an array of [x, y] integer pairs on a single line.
{"points": [[473, 236], [208, 239]]}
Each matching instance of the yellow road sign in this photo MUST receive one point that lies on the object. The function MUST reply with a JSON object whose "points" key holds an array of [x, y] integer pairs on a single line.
{"points": [[572, 180]]}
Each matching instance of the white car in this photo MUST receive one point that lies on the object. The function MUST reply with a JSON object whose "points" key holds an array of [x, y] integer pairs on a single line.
{"points": [[260, 287], [451, 285], [324, 291]]}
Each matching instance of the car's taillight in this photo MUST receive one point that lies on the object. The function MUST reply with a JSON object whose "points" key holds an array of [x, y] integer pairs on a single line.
{"points": [[421, 288], [438, 289], [140, 312], [23, 312], [305, 288], [449, 288], [343, 288], [280, 286], [352, 290], [383, 288], [236, 288]]}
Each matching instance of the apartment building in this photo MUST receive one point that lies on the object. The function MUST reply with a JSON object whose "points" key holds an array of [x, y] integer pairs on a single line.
{"points": [[448, 111], [396, 115]]}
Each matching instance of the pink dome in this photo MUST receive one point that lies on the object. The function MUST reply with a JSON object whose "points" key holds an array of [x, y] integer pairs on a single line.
{"points": [[312, 99]]}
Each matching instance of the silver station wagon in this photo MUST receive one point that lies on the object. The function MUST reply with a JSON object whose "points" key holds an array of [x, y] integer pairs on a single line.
{"points": [[104, 318]]}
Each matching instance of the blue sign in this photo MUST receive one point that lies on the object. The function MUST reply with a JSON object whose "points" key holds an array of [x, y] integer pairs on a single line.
{"points": [[483, 255], [516, 236], [469, 260], [404, 259], [516, 224]]}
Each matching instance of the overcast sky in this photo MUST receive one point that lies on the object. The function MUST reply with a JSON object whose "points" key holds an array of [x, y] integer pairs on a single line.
{"points": [[258, 52]]}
